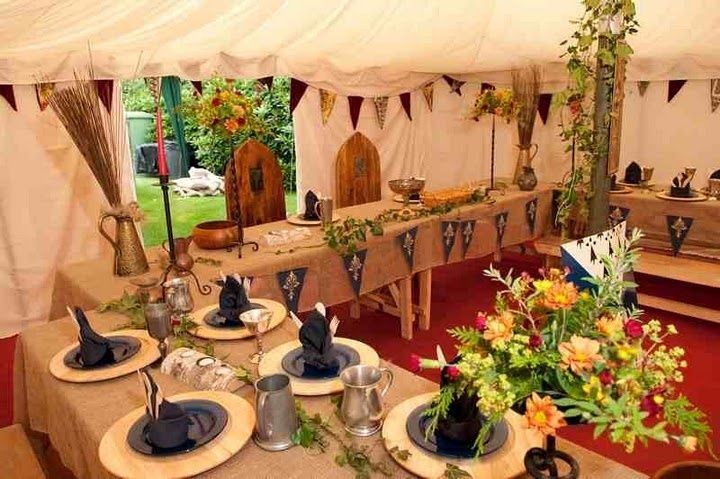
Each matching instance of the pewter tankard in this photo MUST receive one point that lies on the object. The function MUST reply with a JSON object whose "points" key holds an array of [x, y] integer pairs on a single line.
{"points": [[324, 210], [276, 419], [362, 407], [178, 296]]}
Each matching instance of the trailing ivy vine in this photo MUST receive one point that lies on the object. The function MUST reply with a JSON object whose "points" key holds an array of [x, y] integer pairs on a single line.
{"points": [[599, 41]]}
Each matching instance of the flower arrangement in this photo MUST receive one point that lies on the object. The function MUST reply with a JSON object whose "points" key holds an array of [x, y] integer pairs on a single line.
{"points": [[496, 102], [225, 113], [560, 355]]}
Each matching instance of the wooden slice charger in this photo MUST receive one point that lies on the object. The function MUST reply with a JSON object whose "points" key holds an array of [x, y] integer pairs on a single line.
{"points": [[664, 195], [298, 220], [505, 462], [279, 313], [121, 460], [272, 364], [147, 355]]}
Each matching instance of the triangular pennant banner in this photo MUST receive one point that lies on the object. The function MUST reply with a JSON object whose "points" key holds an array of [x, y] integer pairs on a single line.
{"points": [[455, 85], [531, 214], [297, 90], [291, 284], [714, 94], [105, 92], [354, 265], [381, 103], [7, 92], [467, 229], [500, 224], [544, 102], [327, 103], [267, 81], [197, 85], [42, 94], [584, 256], [405, 102], [486, 86], [617, 215], [428, 94], [642, 87], [449, 233], [678, 229], [674, 87], [355, 103], [407, 245]]}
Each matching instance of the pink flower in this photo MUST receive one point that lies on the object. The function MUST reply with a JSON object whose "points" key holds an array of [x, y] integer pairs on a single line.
{"points": [[415, 361], [606, 377], [633, 329], [452, 372], [535, 341], [481, 322]]}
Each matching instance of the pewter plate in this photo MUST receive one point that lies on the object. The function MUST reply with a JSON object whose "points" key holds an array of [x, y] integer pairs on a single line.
{"points": [[123, 348], [294, 364]]}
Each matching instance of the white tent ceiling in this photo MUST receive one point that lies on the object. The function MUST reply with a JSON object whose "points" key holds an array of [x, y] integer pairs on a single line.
{"points": [[354, 45]]}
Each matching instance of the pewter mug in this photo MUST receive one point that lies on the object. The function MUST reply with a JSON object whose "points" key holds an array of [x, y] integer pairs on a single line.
{"points": [[362, 408], [178, 296], [324, 210], [276, 419], [714, 187]]}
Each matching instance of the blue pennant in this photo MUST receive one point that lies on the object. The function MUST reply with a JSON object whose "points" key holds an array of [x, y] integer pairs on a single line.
{"points": [[678, 229], [500, 225], [407, 241], [291, 284], [355, 265], [467, 229], [449, 231], [531, 214]]}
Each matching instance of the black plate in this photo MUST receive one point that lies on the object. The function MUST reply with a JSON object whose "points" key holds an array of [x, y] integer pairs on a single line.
{"points": [[207, 421], [417, 424], [123, 348], [214, 319], [294, 364]]}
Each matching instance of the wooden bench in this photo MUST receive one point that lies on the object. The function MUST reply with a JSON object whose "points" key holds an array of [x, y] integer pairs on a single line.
{"points": [[687, 270], [17, 459]]}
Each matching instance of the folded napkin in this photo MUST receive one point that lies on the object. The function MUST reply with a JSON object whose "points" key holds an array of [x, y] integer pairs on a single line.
{"points": [[286, 236], [633, 173], [234, 300], [715, 175], [316, 337], [613, 183], [95, 349], [311, 200], [169, 424]]}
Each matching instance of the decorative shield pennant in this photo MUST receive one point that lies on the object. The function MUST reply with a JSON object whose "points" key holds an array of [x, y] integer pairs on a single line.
{"points": [[427, 91], [714, 94], [354, 265], [381, 109], [455, 85], [500, 224], [291, 284], [467, 228], [355, 103], [327, 103], [405, 102], [297, 90], [543, 108], [617, 215], [105, 92], [407, 245], [7, 92], [678, 229], [642, 87], [531, 214], [674, 87], [42, 93], [449, 231]]}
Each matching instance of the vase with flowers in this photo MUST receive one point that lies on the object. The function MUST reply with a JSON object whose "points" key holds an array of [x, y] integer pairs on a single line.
{"points": [[559, 355], [495, 102], [526, 94]]}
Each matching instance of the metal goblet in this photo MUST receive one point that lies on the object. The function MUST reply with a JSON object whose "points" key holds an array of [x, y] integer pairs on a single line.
{"points": [[257, 321], [158, 318]]}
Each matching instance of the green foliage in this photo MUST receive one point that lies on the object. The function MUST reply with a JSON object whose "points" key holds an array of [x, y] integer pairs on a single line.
{"points": [[185, 339], [454, 472], [128, 305], [682, 414], [310, 432], [439, 408]]}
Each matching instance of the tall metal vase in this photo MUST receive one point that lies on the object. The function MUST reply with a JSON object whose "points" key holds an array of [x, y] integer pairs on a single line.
{"points": [[130, 257], [525, 157]]}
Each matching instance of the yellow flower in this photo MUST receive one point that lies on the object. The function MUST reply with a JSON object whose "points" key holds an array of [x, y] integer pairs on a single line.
{"points": [[542, 285], [626, 352], [231, 125], [594, 387], [543, 415], [579, 354], [609, 326], [499, 328], [561, 296], [584, 295]]}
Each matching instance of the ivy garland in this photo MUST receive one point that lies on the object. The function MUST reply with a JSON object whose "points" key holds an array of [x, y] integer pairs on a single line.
{"points": [[598, 41]]}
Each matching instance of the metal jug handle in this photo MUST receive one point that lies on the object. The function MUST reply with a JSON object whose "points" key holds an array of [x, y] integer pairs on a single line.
{"points": [[317, 211], [390, 379], [534, 152], [102, 231]]}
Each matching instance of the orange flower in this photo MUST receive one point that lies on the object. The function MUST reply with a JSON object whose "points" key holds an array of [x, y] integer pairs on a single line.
{"points": [[543, 415], [561, 295], [609, 326], [231, 125], [499, 328], [579, 354]]}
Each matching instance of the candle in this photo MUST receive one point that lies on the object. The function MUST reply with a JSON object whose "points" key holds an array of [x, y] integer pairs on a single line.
{"points": [[161, 160]]}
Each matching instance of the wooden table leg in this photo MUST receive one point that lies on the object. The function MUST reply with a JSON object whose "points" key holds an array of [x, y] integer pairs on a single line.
{"points": [[355, 309], [425, 293], [406, 309]]}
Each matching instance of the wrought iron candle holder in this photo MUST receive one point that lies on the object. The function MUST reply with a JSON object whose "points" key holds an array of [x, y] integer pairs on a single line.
{"points": [[237, 216], [540, 463]]}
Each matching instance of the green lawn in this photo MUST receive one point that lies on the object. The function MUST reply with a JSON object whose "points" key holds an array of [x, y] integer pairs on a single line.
{"points": [[186, 212]]}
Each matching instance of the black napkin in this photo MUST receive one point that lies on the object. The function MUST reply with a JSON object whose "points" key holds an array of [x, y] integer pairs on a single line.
{"points": [[233, 301], [95, 349], [316, 339], [613, 183], [633, 174], [171, 426], [715, 175], [311, 200]]}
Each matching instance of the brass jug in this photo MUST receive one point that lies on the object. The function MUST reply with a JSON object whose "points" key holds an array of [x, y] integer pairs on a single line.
{"points": [[525, 158], [130, 257]]}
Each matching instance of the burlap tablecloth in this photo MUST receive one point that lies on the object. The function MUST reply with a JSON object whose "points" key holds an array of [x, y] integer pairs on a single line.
{"points": [[90, 283], [77, 415]]}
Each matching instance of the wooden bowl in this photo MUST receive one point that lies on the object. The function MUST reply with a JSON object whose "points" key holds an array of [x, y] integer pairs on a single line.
{"points": [[215, 234]]}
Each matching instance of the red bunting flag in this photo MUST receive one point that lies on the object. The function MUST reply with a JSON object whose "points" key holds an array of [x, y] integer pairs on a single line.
{"points": [[544, 101], [197, 85], [674, 87], [105, 92], [7, 92], [267, 81], [405, 102], [297, 90], [486, 86], [355, 103]]}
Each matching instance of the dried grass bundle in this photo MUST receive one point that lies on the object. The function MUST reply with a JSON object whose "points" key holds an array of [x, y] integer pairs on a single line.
{"points": [[94, 132], [526, 93]]}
